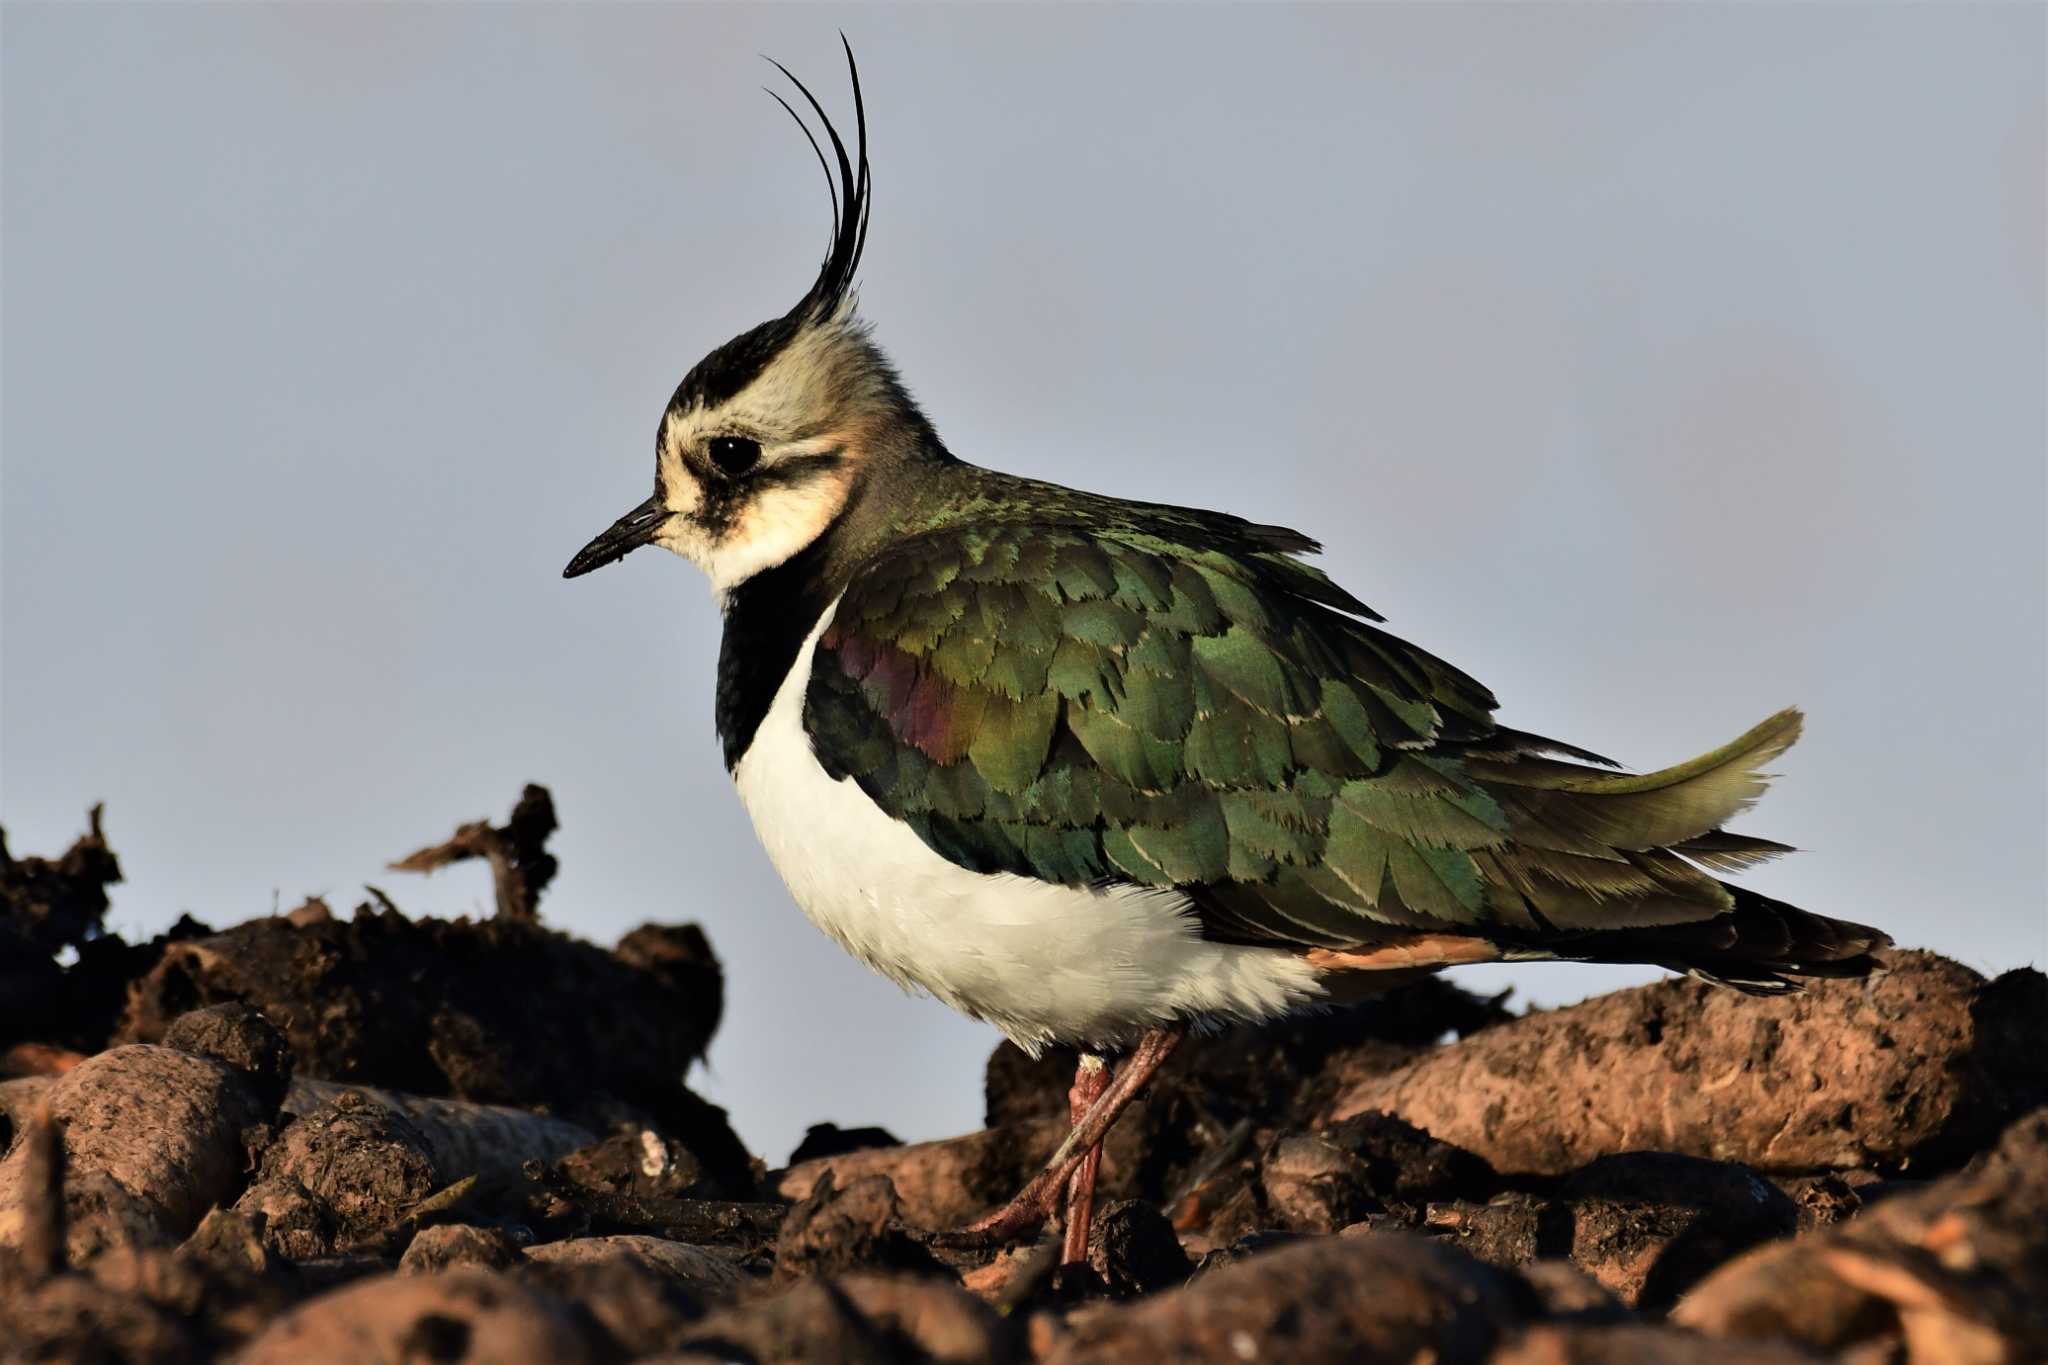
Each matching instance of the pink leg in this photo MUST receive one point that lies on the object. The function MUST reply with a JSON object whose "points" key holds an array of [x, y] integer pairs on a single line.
{"points": [[1091, 1078], [1037, 1201]]}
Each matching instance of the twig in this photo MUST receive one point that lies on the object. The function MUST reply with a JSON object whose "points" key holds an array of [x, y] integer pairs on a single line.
{"points": [[521, 866]]}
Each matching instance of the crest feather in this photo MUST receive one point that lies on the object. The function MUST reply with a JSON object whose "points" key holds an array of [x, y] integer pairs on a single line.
{"points": [[832, 289]]}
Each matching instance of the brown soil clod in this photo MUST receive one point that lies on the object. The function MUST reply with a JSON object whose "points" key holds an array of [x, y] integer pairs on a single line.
{"points": [[374, 1138], [863, 1319], [152, 1139], [455, 1315], [1920, 1065], [501, 1012], [1955, 1271], [1133, 1249], [52, 903], [834, 1231], [242, 1040], [1341, 1298], [340, 1179], [446, 1246]]}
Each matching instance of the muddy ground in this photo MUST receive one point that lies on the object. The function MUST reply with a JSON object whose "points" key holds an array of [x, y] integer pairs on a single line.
{"points": [[349, 1137]]}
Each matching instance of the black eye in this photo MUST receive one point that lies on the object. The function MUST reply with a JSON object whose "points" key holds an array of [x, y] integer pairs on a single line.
{"points": [[734, 454]]}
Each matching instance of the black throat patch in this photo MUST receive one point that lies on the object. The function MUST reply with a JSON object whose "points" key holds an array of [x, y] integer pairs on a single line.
{"points": [[766, 620]]}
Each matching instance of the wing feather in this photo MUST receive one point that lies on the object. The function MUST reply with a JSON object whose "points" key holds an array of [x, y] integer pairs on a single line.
{"points": [[1129, 703]]}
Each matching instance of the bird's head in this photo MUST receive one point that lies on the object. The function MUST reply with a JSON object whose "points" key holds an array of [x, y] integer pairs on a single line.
{"points": [[771, 438]]}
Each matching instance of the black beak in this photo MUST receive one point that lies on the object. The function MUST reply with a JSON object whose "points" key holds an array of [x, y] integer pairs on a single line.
{"points": [[625, 535]]}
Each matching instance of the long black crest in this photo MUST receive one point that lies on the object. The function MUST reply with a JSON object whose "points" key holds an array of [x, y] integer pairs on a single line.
{"points": [[730, 368], [849, 190]]}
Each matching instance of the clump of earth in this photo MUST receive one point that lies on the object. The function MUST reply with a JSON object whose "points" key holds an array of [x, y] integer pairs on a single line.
{"points": [[372, 1137]]}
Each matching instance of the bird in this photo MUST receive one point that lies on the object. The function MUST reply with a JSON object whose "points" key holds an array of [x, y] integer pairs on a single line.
{"points": [[1102, 772]]}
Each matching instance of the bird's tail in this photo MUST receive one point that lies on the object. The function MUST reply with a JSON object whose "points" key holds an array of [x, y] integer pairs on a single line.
{"points": [[1762, 946], [1622, 868]]}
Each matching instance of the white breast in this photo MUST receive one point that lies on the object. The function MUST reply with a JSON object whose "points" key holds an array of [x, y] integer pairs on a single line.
{"points": [[1043, 963]]}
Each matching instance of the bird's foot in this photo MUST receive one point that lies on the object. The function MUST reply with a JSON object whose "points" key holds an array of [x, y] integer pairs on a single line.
{"points": [[1091, 1078], [1017, 1221], [1038, 1201]]}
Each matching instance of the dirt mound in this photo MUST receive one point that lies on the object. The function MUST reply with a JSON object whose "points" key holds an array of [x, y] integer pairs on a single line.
{"points": [[379, 1138]]}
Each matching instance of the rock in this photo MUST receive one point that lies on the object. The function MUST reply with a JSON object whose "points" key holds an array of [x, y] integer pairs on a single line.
{"points": [[1921, 1064], [1379, 1297], [833, 1231], [860, 1319], [339, 1177], [243, 1041], [1133, 1249], [446, 1246], [152, 1139], [706, 1273], [456, 1315]]}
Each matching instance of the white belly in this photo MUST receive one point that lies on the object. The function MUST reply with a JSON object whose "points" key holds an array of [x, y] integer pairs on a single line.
{"points": [[1043, 963]]}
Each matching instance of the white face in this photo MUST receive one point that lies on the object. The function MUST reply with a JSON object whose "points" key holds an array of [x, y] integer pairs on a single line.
{"points": [[811, 429]]}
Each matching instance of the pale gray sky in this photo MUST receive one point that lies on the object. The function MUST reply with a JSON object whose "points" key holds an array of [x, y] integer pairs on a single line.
{"points": [[1660, 365]]}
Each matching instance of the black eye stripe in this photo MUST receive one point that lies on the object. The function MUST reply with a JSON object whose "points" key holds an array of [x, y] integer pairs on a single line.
{"points": [[796, 469], [734, 454]]}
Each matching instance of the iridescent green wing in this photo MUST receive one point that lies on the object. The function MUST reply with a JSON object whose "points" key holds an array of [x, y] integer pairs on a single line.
{"points": [[1085, 705]]}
